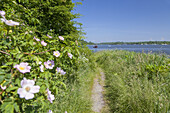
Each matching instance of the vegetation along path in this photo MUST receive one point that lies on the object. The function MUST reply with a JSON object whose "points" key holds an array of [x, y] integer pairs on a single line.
{"points": [[97, 93]]}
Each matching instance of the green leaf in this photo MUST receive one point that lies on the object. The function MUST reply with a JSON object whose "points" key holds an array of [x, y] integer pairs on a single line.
{"points": [[9, 108], [2, 72], [16, 107], [2, 77], [17, 81], [19, 56], [11, 88], [9, 63]]}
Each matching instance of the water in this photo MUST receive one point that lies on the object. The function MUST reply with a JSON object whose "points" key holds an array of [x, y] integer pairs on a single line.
{"points": [[165, 49]]}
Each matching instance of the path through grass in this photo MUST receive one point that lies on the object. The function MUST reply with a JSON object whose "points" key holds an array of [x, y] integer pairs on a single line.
{"points": [[136, 82]]}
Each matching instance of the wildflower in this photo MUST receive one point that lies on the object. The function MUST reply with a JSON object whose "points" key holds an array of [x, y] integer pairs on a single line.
{"points": [[39, 62], [59, 70], [3, 87], [26, 32], [49, 64], [49, 36], [2, 13], [62, 72], [50, 97], [9, 22], [65, 111], [28, 89], [50, 111], [36, 39], [43, 43], [30, 31], [70, 55], [76, 42], [23, 67], [10, 31], [34, 43], [61, 38], [56, 53], [42, 68]]}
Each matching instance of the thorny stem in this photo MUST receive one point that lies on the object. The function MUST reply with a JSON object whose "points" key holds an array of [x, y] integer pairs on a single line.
{"points": [[25, 53], [5, 53]]}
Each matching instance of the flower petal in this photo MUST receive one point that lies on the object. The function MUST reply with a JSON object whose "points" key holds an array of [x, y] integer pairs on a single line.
{"points": [[3, 20], [34, 89], [28, 68], [2, 13], [30, 83], [42, 68], [23, 82], [29, 96], [16, 66], [22, 93]]}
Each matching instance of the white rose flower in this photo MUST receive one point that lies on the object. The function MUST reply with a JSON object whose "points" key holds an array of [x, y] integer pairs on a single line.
{"points": [[2, 13], [70, 55], [36, 39], [9, 22], [28, 89], [23, 67], [42, 68], [50, 97], [61, 38], [43, 43], [56, 53], [3, 87], [49, 64], [49, 36], [50, 111], [59, 70]]}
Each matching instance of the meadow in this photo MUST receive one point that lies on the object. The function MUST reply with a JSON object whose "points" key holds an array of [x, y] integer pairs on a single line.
{"points": [[135, 82]]}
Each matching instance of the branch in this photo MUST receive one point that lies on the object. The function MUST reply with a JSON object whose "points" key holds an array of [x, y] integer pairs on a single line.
{"points": [[5, 53], [37, 53], [26, 53]]}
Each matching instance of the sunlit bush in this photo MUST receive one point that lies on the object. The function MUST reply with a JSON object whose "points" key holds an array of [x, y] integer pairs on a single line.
{"points": [[38, 52]]}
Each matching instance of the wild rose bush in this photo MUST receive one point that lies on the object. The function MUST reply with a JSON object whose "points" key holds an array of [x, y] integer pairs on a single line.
{"points": [[35, 61]]}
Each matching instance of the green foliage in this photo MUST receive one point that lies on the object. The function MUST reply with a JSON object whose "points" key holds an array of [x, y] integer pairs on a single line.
{"points": [[136, 82], [19, 44], [77, 97]]}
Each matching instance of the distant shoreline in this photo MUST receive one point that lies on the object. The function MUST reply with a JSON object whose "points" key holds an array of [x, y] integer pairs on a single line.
{"points": [[130, 43]]}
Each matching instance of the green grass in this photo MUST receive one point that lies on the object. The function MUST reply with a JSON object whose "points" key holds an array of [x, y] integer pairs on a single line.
{"points": [[136, 82], [77, 97]]}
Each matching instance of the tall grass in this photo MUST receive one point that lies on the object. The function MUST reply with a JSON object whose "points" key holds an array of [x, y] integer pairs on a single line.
{"points": [[77, 97], [136, 82]]}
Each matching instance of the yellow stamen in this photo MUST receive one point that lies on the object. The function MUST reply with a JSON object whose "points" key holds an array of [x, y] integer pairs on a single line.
{"points": [[9, 21], [21, 68], [27, 88]]}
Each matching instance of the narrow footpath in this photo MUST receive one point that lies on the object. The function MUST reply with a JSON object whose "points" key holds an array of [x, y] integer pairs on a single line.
{"points": [[97, 93]]}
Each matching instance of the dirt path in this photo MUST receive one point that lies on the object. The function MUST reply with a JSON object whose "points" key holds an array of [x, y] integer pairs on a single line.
{"points": [[97, 95]]}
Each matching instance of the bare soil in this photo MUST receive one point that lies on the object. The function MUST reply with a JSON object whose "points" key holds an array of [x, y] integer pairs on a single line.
{"points": [[97, 93]]}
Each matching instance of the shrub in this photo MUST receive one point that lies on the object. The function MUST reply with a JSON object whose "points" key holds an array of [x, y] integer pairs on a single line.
{"points": [[38, 52]]}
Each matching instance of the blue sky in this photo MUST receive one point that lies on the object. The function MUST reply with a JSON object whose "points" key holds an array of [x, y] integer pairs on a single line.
{"points": [[125, 20]]}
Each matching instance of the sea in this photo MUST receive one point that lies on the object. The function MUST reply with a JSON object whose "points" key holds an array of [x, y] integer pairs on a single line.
{"points": [[159, 49]]}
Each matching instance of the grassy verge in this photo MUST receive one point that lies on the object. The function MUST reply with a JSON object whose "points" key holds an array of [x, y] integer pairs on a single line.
{"points": [[77, 97], [136, 82]]}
